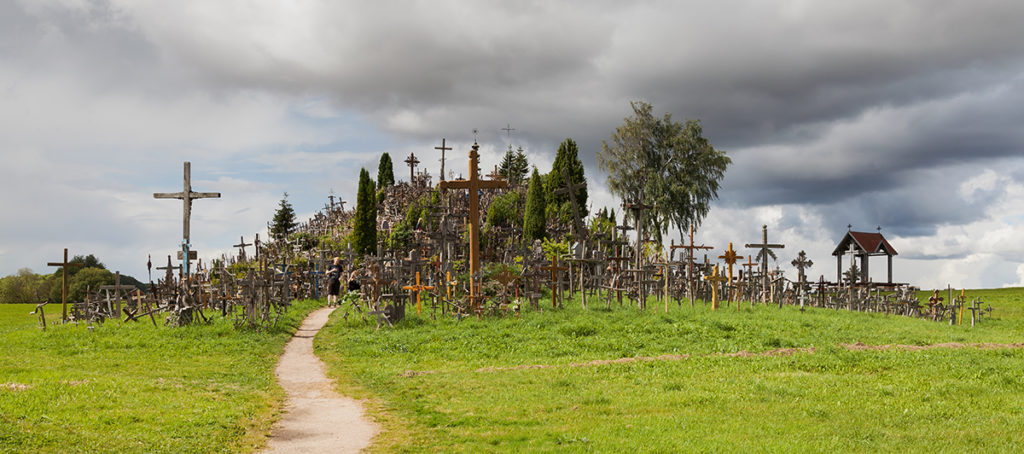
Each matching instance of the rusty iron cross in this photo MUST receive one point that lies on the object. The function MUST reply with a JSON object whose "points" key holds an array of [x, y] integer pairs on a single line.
{"points": [[412, 162]]}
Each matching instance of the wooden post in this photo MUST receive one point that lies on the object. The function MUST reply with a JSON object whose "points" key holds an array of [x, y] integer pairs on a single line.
{"points": [[554, 268], [689, 262], [443, 149], [64, 284]]}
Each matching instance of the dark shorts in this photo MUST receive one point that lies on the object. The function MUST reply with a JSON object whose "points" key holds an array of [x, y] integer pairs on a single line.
{"points": [[333, 287]]}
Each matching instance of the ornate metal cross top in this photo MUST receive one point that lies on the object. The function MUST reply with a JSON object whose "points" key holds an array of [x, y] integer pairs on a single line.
{"points": [[508, 129], [412, 161]]}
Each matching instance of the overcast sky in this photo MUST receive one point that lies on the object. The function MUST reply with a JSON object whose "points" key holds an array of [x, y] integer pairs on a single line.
{"points": [[904, 115]]}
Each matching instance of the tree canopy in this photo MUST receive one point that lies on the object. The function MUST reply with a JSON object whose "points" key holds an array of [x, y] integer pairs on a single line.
{"points": [[566, 158], [534, 220], [514, 166], [665, 164]]}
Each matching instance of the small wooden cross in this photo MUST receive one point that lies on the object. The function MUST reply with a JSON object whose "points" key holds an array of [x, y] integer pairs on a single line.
{"points": [[64, 284], [715, 279], [417, 289], [242, 245], [554, 269], [730, 258]]}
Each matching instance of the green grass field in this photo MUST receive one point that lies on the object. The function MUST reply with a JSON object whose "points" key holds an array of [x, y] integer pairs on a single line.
{"points": [[135, 387], [508, 384]]}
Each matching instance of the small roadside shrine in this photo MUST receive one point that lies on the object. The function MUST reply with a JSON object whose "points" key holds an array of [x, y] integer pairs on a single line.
{"points": [[863, 245]]}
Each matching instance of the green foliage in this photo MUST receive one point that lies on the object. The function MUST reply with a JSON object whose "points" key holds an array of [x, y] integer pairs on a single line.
{"points": [[514, 166], [284, 222], [505, 211], [566, 159], [88, 278], [534, 221], [26, 287], [385, 172], [665, 164], [400, 237], [553, 248], [364, 223]]}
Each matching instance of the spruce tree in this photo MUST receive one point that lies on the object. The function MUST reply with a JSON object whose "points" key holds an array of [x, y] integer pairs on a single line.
{"points": [[284, 220], [534, 220], [364, 224], [385, 171], [566, 157]]}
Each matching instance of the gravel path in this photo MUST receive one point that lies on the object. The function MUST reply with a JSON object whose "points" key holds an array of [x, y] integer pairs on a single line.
{"points": [[316, 418]]}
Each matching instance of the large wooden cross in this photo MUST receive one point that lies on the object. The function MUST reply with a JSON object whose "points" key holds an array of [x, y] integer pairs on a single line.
{"points": [[730, 258], [443, 149], [242, 244], [763, 254], [186, 196], [474, 184], [64, 284]]}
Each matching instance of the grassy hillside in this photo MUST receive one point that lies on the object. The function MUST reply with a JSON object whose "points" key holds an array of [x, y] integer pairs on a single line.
{"points": [[137, 388], [761, 379]]}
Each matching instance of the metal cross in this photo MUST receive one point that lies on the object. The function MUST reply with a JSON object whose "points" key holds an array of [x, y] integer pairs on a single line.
{"points": [[412, 161]]}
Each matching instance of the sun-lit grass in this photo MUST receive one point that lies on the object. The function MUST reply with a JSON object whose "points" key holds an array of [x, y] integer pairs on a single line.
{"points": [[433, 386], [137, 388]]}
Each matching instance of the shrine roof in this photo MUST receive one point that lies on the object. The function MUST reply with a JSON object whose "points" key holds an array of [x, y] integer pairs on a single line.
{"points": [[865, 242]]}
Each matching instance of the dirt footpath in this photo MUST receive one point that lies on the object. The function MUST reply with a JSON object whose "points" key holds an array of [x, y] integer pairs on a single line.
{"points": [[316, 418]]}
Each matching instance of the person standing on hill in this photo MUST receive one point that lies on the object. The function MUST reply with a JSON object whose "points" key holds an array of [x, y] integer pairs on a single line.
{"points": [[333, 282]]}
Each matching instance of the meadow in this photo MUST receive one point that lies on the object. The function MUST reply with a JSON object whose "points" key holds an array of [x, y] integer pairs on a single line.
{"points": [[753, 380], [134, 387]]}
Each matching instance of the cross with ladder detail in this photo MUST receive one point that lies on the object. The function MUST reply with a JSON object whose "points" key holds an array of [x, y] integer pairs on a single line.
{"points": [[730, 258], [443, 149], [64, 284], [474, 184], [416, 289], [186, 196], [412, 161]]}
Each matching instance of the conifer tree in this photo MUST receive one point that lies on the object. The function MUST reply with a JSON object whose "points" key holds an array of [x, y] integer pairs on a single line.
{"points": [[284, 220], [534, 220], [566, 157], [364, 224], [385, 171]]}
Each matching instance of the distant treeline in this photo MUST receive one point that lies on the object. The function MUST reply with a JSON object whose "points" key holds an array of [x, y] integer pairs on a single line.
{"points": [[28, 287]]}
